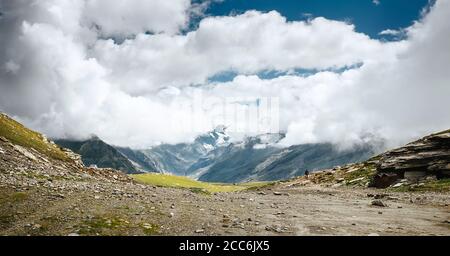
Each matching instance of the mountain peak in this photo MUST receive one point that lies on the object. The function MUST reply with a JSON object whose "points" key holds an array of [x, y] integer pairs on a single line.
{"points": [[220, 129]]}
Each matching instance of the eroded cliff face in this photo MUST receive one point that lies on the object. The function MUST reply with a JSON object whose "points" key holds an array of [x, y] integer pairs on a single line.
{"points": [[427, 158]]}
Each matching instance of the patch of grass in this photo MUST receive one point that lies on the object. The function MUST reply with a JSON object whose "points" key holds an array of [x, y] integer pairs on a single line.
{"points": [[103, 225], [354, 174], [14, 197], [251, 186], [149, 228], [19, 196], [164, 180], [20, 135], [200, 191], [367, 171], [46, 224], [6, 220], [436, 186]]}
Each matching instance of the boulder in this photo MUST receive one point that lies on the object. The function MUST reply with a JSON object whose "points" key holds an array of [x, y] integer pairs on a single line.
{"points": [[384, 180], [429, 156]]}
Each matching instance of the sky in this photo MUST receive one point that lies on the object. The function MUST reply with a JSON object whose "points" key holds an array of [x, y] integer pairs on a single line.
{"points": [[370, 17], [139, 73]]}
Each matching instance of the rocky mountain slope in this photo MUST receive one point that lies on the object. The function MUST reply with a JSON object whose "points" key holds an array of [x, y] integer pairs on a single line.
{"points": [[94, 151], [428, 157], [187, 158], [46, 190], [421, 165], [214, 157], [278, 164]]}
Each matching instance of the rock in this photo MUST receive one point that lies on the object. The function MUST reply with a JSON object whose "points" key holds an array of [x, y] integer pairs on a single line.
{"points": [[199, 231], [373, 234], [73, 234], [380, 196], [384, 180], [37, 226], [171, 215], [378, 203], [262, 193], [277, 229], [277, 193], [356, 180], [147, 226], [398, 185], [25, 152], [429, 156]]}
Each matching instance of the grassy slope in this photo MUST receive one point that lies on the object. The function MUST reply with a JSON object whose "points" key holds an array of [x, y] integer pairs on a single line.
{"points": [[20, 135], [164, 180]]}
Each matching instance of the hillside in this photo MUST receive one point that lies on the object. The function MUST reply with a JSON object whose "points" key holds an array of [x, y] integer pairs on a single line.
{"points": [[214, 157], [94, 151], [44, 195], [24, 137], [172, 181], [272, 163], [422, 165]]}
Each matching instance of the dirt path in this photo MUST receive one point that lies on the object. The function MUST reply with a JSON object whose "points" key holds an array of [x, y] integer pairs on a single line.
{"points": [[101, 208]]}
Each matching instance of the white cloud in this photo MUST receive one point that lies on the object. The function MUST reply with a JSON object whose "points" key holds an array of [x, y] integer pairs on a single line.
{"points": [[246, 43], [390, 32], [129, 17], [58, 75]]}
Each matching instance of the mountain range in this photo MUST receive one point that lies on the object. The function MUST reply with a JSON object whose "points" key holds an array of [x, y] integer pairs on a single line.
{"points": [[215, 157], [96, 152]]}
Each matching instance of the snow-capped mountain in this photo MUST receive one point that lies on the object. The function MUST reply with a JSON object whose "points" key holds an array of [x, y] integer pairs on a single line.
{"points": [[183, 158], [215, 157]]}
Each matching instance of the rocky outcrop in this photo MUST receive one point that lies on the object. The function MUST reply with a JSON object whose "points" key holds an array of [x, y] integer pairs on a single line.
{"points": [[74, 156], [424, 158]]}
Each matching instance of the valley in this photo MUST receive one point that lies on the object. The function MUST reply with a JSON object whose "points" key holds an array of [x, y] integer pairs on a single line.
{"points": [[42, 193]]}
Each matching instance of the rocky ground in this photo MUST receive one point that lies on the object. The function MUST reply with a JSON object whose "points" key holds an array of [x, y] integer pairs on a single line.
{"points": [[41, 196]]}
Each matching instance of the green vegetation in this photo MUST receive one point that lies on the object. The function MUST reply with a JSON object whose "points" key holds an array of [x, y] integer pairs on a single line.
{"points": [[172, 181], [14, 197], [149, 229], [353, 174], [9, 200], [435, 185], [104, 225], [367, 171], [20, 135], [19, 196]]}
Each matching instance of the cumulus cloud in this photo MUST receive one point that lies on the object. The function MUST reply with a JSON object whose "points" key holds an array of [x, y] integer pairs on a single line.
{"points": [[246, 43], [60, 74], [131, 17]]}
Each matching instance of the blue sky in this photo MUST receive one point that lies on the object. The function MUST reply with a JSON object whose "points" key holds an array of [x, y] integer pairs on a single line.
{"points": [[368, 17]]}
